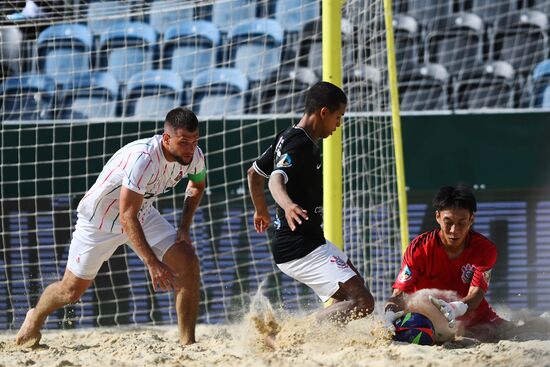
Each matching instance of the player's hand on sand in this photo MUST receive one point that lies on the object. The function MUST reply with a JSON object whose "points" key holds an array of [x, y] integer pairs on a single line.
{"points": [[161, 276], [261, 221], [389, 319], [451, 310], [295, 215]]}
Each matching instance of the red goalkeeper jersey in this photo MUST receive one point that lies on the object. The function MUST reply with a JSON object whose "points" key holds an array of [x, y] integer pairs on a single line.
{"points": [[427, 265]]}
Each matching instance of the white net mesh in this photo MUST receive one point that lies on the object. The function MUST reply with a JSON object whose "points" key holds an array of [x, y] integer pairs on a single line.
{"points": [[81, 81]]}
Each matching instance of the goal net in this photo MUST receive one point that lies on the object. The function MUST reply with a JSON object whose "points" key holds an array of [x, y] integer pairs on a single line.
{"points": [[80, 81]]}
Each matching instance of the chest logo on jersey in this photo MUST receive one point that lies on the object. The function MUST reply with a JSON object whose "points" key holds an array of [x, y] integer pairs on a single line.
{"points": [[179, 177], [284, 161], [468, 273], [340, 263], [405, 274]]}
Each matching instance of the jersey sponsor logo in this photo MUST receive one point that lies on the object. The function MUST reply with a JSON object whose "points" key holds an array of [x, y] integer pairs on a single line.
{"points": [[319, 166], [340, 263], [487, 276], [467, 273], [284, 161], [405, 275], [179, 177]]}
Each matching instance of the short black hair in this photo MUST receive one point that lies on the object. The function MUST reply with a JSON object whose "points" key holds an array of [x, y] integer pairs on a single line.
{"points": [[455, 197], [324, 94], [182, 118]]}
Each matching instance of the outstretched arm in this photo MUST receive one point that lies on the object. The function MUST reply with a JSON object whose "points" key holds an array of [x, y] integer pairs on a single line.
{"points": [[256, 187], [193, 196], [293, 212], [130, 204]]}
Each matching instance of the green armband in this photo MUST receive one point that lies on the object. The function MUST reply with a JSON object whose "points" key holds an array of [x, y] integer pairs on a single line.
{"points": [[197, 177]]}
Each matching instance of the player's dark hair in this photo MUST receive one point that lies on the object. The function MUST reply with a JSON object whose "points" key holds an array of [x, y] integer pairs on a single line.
{"points": [[324, 94], [455, 197], [182, 118]]}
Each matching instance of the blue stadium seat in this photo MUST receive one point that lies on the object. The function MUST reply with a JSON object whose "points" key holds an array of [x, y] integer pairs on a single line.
{"points": [[541, 85], [151, 94], [255, 48], [127, 49], [190, 48], [105, 14], [165, 14], [425, 11], [521, 38], [488, 10], [292, 15], [64, 50], [455, 41], [90, 95], [27, 97], [424, 88], [227, 13], [285, 90], [219, 91], [406, 32], [486, 86]]}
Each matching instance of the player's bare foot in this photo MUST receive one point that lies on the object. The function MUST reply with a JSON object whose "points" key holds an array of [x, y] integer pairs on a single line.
{"points": [[29, 335], [185, 343]]}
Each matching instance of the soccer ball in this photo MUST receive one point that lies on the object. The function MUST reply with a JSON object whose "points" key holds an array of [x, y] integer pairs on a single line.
{"points": [[414, 328]]}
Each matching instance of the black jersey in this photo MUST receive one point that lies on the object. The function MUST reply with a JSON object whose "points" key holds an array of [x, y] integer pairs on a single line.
{"points": [[297, 157]]}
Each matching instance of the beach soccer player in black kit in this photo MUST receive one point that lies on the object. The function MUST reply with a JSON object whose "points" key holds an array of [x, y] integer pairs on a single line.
{"points": [[294, 168]]}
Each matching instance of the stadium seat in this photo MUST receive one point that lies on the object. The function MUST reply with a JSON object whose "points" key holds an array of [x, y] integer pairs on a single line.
{"points": [[255, 48], [104, 14], [127, 49], [151, 94], [363, 85], [455, 41], [406, 42], [541, 85], [11, 39], [488, 10], [228, 13], [425, 11], [311, 55], [165, 14], [521, 38], [285, 90], [88, 96], [63, 51], [219, 91], [486, 86], [190, 48], [27, 97], [540, 5], [424, 88], [292, 15]]}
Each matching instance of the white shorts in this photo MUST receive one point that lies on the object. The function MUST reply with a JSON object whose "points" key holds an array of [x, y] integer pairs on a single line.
{"points": [[322, 270], [90, 247]]}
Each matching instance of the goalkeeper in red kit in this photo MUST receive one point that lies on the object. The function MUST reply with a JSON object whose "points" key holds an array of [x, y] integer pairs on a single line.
{"points": [[452, 257]]}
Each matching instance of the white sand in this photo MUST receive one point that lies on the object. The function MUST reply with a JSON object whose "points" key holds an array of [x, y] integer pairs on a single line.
{"points": [[300, 343]]}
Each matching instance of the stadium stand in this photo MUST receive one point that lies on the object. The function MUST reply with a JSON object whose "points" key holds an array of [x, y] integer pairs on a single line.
{"points": [[11, 51], [103, 15], [488, 10], [89, 96], [366, 81], [541, 85], [219, 91], [151, 93], [225, 14], [164, 14], [190, 47], [425, 11], [406, 42]]}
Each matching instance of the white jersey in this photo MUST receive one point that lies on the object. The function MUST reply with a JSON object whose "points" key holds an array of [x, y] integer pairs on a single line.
{"points": [[141, 167]]}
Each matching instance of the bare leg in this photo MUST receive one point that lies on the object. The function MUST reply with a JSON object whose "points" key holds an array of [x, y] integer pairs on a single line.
{"points": [[183, 261], [55, 296], [353, 301]]}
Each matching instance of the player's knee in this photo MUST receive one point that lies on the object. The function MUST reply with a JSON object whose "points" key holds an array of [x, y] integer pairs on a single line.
{"points": [[189, 259]]}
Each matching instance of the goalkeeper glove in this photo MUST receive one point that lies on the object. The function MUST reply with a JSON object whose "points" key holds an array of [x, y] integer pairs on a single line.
{"points": [[451, 310], [389, 319]]}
